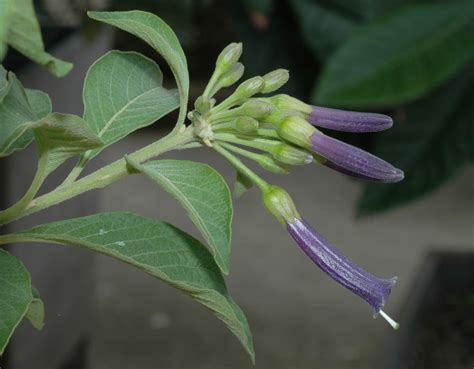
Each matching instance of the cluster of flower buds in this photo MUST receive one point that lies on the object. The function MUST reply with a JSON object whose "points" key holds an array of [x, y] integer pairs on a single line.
{"points": [[280, 131]]}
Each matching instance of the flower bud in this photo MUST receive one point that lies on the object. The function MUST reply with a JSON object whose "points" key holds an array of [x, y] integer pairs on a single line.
{"points": [[278, 115], [291, 155], [287, 102], [353, 161], [256, 108], [229, 56], [203, 104], [249, 88], [274, 80], [297, 131], [349, 121], [245, 124], [231, 76], [280, 204], [267, 162]]}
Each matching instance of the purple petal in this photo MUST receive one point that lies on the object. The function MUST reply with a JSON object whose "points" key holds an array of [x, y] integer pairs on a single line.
{"points": [[354, 161], [349, 121], [370, 288]]}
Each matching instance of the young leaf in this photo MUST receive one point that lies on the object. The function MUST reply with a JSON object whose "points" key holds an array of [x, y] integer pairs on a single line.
{"points": [[242, 185], [62, 136], [431, 146], [15, 116], [122, 93], [401, 57], [205, 196], [156, 33], [24, 35], [35, 313], [15, 295], [157, 248], [40, 103]]}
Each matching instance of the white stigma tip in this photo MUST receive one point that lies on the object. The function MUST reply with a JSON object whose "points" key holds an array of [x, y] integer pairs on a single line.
{"points": [[390, 321]]}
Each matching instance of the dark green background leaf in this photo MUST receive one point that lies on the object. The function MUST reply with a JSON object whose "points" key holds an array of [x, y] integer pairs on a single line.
{"points": [[399, 58], [431, 145]]}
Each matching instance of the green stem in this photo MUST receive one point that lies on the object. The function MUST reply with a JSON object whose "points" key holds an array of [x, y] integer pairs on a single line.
{"points": [[106, 175], [242, 168], [77, 170], [255, 142], [18, 207], [209, 90]]}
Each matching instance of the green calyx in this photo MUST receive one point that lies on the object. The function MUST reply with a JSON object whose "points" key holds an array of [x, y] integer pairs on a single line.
{"points": [[297, 131], [245, 125], [280, 204], [291, 155], [286, 102]]}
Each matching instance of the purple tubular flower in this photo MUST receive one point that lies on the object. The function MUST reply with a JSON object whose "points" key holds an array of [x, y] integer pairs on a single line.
{"points": [[370, 288], [354, 161], [349, 121]]}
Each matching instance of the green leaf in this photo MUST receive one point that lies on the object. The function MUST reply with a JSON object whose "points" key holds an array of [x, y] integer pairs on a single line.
{"points": [[399, 58], [35, 313], [15, 116], [122, 93], [4, 85], [205, 196], [24, 35], [15, 295], [40, 103], [431, 146], [4, 5], [158, 249], [62, 136], [242, 185], [156, 33]]}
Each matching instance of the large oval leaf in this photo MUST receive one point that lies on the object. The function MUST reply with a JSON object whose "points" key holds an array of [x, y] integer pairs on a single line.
{"points": [[156, 33], [401, 57], [158, 249], [205, 196], [431, 145], [122, 93], [15, 295]]}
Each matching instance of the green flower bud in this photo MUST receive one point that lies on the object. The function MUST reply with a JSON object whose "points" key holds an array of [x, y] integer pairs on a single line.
{"points": [[231, 76], [267, 162], [245, 124], [287, 102], [291, 155], [280, 204], [279, 115], [203, 104], [256, 108], [274, 80], [297, 131], [249, 88], [229, 56]]}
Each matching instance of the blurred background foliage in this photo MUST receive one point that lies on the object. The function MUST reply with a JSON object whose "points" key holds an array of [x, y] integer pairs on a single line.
{"points": [[412, 59]]}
